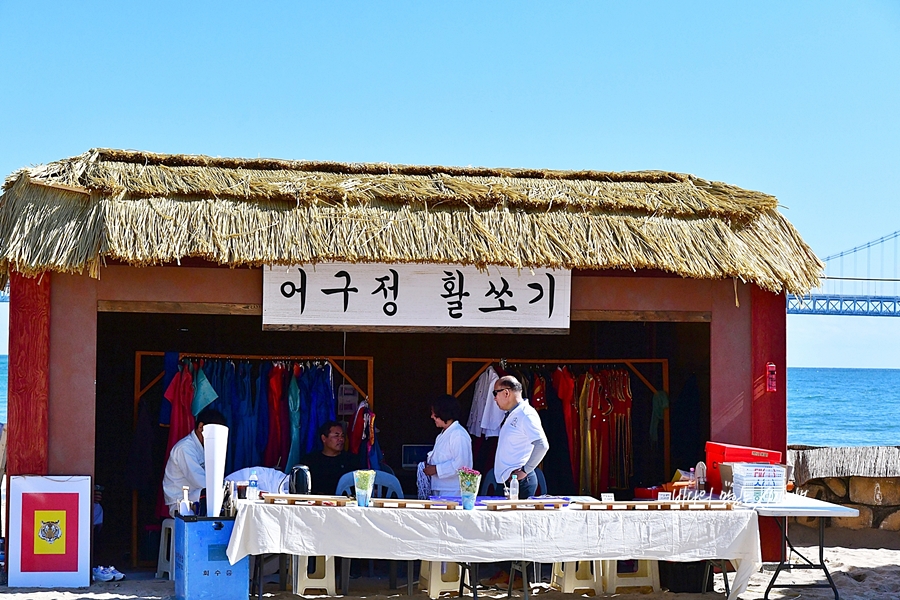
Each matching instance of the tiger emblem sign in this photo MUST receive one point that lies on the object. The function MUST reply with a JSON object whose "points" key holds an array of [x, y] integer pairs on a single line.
{"points": [[50, 531]]}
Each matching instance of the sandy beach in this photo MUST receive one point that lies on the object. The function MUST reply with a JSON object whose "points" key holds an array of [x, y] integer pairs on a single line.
{"points": [[865, 565]]}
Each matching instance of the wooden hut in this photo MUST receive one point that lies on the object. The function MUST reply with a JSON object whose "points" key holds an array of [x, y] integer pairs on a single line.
{"points": [[114, 255]]}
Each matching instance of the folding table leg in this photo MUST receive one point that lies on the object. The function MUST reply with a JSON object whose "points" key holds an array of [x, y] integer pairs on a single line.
{"points": [[345, 576]]}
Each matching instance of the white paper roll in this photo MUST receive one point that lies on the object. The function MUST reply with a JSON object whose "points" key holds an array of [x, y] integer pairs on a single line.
{"points": [[215, 446]]}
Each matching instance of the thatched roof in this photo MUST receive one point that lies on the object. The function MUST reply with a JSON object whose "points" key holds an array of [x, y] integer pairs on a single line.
{"points": [[149, 209], [868, 461]]}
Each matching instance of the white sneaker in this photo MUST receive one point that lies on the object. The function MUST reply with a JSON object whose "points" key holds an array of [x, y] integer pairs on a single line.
{"points": [[117, 575], [102, 574]]}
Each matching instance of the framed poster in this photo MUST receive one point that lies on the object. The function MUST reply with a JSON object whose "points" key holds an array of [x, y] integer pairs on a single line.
{"points": [[49, 531]]}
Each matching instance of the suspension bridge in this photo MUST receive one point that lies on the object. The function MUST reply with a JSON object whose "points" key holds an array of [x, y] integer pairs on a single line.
{"points": [[861, 281]]}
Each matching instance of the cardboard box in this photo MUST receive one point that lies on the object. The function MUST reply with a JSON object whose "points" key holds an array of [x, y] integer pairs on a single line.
{"points": [[718, 453]]}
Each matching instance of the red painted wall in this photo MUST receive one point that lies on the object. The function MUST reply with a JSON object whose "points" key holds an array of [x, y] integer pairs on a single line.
{"points": [[29, 359], [730, 334], [769, 322], [732, 330], [73, 355]]}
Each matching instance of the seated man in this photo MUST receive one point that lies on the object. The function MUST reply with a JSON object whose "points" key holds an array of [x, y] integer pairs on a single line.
{"points": [[327, 466], [187, 463]]}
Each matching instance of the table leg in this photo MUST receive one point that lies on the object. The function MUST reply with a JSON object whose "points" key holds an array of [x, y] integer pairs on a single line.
{"points": [[782, 566], [345, 576], [410, 565]]}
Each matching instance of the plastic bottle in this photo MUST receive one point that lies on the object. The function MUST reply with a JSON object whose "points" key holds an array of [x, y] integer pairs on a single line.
{"points": [[514, 488], [253, 486], [184, 507], [692, 485]]}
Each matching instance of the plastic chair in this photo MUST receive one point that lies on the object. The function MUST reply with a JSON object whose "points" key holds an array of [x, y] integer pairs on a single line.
{"points": [[386, 486], [435, 578], [647, 575], [322, 578], [570, 576], [164, 564], [270, 480], [489, 487]]}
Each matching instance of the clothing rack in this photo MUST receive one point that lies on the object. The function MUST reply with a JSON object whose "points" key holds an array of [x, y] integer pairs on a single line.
{"points": [[628, 362], [140, 390]]}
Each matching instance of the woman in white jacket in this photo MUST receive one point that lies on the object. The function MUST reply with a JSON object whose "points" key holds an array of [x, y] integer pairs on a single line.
{"points": [[452, 448]]}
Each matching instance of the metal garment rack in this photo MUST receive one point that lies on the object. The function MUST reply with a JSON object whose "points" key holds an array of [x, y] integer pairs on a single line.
{"points": [[140, 390], [628, 362]]}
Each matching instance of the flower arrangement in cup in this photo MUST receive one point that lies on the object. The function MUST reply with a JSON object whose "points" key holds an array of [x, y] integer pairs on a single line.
{"points": [[364, 478], [469, 480]]}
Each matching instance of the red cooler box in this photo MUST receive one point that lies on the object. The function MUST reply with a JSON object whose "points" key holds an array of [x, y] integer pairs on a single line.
{"points": [[718, 453]]}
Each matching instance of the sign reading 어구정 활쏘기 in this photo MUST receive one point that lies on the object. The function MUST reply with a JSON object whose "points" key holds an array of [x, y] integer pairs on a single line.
{"points": [[417, 297]]}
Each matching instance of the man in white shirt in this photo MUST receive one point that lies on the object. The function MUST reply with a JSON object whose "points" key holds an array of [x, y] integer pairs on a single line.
{"points": [[187, 463], [522, 443]]}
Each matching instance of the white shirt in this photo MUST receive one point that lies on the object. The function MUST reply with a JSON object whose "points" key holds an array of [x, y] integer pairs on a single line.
{"points": [[516, 443], [481, 400], [452, 450], [492, 415], [186, 467]]}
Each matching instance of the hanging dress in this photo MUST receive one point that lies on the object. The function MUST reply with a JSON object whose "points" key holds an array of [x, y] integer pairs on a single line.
{"points": [[294, 406], [272, 455], [245, 453]]}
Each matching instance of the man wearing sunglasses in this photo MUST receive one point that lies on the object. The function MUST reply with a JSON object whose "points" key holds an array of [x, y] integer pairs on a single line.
{"points": [[522, 443]]}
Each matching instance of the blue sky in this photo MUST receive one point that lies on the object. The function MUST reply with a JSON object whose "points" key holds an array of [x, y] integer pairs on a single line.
{"points": [[798, 100]]}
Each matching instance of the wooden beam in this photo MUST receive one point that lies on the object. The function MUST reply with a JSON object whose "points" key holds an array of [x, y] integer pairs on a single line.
{"points": [[61, 186], [416, 329], [660, 316], [190, 308]]}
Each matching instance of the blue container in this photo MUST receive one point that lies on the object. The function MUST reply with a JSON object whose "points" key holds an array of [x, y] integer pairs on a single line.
{"points": [[202, 570]]}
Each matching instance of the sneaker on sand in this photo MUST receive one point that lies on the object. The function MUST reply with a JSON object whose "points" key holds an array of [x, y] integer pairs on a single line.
{"points": [[117, 575], [102, 574]]}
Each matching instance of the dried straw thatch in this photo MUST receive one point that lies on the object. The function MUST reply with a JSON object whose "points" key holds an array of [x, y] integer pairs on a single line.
{"points": [[148, 209], [869, 461]]}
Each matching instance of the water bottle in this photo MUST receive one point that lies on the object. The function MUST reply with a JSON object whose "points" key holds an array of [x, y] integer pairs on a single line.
{"points": [[253, 486], [514, 488]]}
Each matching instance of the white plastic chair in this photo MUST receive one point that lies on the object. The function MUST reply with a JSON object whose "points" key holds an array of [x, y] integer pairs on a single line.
{"points": [[165, 568], [647, 575]]}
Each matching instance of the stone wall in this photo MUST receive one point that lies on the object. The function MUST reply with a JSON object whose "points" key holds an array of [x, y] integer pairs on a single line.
{"points": [[877, 500]]}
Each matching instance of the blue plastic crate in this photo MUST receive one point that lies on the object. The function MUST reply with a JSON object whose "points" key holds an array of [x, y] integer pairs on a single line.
{"points": [[202, 570]]}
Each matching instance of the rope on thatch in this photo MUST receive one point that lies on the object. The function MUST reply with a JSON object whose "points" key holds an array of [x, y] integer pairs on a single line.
{"points": [[145, 175], [866, 461]]}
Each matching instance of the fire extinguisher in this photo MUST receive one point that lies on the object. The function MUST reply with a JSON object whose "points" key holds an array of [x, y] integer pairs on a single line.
{"points": [[770, 377]]}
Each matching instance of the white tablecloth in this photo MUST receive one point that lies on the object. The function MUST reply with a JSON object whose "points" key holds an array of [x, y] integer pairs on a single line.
{"points": [[487, 536]]}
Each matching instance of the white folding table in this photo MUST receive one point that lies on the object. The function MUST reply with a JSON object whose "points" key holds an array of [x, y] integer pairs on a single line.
{"points": [[561, 535], [794, 505]]}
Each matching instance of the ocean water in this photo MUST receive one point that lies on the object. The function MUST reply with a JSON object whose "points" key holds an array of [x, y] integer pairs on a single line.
{"points": [[843, 407], [826, 407]]}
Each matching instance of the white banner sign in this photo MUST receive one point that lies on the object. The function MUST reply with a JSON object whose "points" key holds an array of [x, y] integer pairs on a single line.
{"points": [[341, 296]]}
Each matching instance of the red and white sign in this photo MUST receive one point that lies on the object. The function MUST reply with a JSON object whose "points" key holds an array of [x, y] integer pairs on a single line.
{"points": [[49, 531]]}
